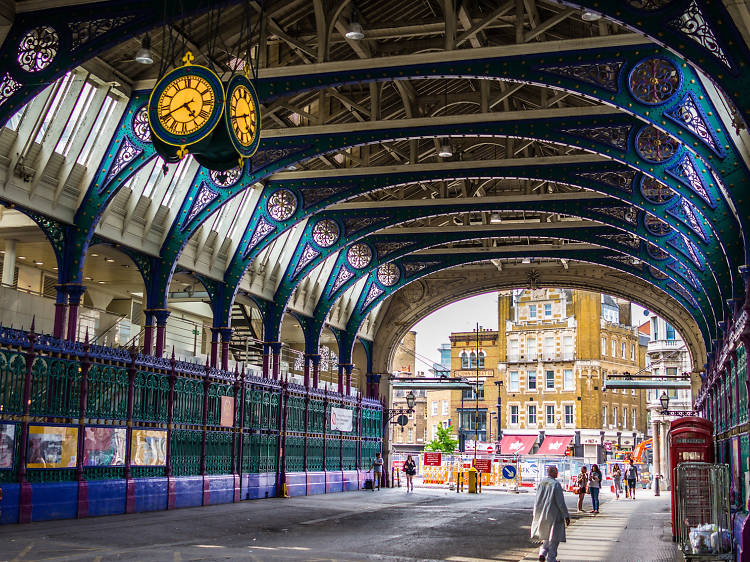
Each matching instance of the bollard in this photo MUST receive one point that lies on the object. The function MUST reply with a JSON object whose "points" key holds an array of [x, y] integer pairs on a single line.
{"points": [[656, 485], [473, 480]]}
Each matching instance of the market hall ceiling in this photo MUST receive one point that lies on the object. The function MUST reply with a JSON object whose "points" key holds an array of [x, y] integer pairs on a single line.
{"points": [[584, 141]]}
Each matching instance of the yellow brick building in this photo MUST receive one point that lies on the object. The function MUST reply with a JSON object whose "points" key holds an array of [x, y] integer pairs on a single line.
{"points": [[547, 363]]}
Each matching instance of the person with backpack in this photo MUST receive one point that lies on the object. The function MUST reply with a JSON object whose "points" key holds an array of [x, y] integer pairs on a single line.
{"points": [[631, 475], [595, 484]]}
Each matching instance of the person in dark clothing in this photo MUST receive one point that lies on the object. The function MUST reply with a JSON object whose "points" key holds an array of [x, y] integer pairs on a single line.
{"points": [[410, 468]]}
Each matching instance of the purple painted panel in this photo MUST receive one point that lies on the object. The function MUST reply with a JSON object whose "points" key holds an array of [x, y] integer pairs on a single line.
{"points": [[296, 483], [150, 494], [106, 497], [221, 489], [9, 503], [54, 500], [316, 483], [188, 491], [334, 482], [262, 485], [351, 480]]}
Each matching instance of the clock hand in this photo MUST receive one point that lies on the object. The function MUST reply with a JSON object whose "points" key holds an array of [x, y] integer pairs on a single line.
{"points": [[184, 105]]}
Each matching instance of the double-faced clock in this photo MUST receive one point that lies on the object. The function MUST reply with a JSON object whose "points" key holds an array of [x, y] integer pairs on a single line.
{"points": [[185, 106], [243, 115]]}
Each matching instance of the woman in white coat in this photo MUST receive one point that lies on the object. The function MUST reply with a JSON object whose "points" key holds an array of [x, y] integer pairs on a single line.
{"points": [[550, 516]]}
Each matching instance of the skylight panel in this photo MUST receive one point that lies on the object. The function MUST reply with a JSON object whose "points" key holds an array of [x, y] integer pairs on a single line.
{"points": [[75, 119], [62, 92], [101, 124]]}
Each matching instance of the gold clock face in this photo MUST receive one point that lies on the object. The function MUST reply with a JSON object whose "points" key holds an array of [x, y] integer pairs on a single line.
{"points": [[185, 105], [244, 115]]}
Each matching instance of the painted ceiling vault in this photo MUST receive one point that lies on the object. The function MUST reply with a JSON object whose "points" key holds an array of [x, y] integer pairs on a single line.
{"points": [[513, 135]]}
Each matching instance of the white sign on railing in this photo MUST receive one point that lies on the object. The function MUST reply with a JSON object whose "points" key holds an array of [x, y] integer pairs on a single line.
{"points": [[341, 419]]}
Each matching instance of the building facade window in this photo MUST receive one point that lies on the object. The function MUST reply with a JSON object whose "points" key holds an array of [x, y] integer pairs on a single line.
{"points": [[532, 380], [549, 380], [654, 329], [569, 414], [604, 346], [464, 360], [624, 418], [547, 310], [622, 350], [513, 350], [614, 416], [531, 348], [434, 408], [411, 435], [568, 349], [532, 311], [514, 415], [472, 360], [531, 415], [513, 383], [632, 352], [634, 419], [604, 415], [446, 410], [481, 360], [469, 394], [568, 381], [434, 431], [614, 348], [670, 332], [549, 347], [549, 414]]}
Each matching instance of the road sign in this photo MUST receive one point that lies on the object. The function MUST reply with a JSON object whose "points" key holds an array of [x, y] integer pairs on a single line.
{"points": [[509, 472], [432, 459]]}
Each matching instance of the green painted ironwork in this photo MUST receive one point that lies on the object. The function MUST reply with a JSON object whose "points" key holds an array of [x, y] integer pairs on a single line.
{"points": [[55, 388], [186, 452], [151, 398], [219, 452], [12, 371], [108, 392]]}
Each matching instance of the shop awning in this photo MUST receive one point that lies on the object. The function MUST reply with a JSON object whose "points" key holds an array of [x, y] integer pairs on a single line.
{"points": [[554, 445], [517, 444]]}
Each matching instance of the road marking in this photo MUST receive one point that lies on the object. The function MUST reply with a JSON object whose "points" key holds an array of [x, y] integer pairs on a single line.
{"points": [[23, 553]]}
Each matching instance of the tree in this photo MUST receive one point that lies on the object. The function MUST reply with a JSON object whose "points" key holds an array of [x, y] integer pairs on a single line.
{"points": [[443, 442]]}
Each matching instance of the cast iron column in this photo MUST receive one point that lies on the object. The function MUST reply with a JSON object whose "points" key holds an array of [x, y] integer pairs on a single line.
{"points": [[161, 316], [148, 332], [75, 292]]}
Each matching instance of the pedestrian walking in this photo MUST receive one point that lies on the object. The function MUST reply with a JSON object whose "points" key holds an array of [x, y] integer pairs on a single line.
{"points": [[582, 482], [617, 479], [631, 475], [377, 470], [550, 516], [595, 484], [410, 468]]}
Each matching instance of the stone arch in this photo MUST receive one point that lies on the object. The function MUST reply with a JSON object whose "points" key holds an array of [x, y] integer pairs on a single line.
{"points": [[436, 290]]}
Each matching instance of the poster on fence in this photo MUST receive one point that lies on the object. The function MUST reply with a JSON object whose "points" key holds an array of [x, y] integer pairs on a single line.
{"points": [[341, 419], [7, 444], [52, 446], [104, 446], [227, 411], [433, 459], [148, 447]]}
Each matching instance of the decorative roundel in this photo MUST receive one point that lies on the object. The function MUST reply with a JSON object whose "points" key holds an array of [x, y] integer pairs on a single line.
{"points": [[656, 226], [38, 48], [140, 125], [654, 145], [656, 274], [388, 274], [227, 178], [359, 255], [281, 204], [325, 233], [654, 81], [243, 115], [186, 105], [656, 252], [655, 192]]}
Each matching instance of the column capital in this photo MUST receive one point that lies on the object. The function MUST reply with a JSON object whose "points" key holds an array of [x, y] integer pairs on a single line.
{"points": [[75, 291], [161, 315]]}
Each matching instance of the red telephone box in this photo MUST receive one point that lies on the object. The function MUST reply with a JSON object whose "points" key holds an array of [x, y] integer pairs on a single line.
{"points": [[690, 440]]}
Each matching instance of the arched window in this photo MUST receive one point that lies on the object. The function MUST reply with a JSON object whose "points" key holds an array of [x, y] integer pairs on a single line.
{"points": [[464, 360], [472, 360], [481, 360]]}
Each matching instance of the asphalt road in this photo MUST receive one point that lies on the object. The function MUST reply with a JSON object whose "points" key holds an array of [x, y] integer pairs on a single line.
{"points": [[383, 525]]}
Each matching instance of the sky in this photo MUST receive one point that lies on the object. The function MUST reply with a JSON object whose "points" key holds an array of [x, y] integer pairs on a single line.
{"points": [[462, 316]]}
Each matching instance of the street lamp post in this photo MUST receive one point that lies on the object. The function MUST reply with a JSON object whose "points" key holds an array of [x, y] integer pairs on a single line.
{"points": [[498, 406]]}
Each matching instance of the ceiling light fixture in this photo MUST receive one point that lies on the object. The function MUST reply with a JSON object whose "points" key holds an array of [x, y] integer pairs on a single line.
{"points": [[590, 15], [109, 260], [143, 56], [445, 150], [354, 31], [21, 257]]}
